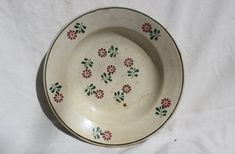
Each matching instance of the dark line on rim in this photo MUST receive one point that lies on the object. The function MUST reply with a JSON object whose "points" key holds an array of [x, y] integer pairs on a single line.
{"points": [[67, 127]]}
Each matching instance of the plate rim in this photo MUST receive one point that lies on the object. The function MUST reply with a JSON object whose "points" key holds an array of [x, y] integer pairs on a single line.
{"points": [[76, 135]]}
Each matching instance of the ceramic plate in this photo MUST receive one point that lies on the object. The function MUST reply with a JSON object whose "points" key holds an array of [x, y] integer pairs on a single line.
{"points": [[113, 76]]}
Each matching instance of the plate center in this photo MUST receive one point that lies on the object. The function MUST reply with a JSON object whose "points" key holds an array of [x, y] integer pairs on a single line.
{"points": [[111, 77]]}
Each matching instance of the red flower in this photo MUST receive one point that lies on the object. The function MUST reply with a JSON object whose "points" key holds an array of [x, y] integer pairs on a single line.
{"points": [[86, 73], [128, 62], [107, 135], [72, 35], [146, 27], [126, 88], [166, 102], [99, 94], [58, 97], [102, 52], [111, 69]]}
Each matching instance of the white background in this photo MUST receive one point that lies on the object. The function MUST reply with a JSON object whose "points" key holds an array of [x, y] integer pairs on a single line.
{"points": [[205, 33]]}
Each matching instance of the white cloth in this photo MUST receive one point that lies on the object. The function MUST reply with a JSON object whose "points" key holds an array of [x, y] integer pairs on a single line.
{"points": [[204, 31]]}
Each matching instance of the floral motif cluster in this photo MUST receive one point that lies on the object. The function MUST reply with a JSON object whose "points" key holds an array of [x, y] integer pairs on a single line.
{"points": [[56, 90], [119, 95], [98, 133], [162, 110], [154, 34], [111, 69], [87, 73], [132, 72], [107, 76], [91, 89], [87, 63], [113, 52], [78, 28]]}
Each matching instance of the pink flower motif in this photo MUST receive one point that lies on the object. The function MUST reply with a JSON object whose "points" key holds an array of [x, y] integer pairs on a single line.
{"points": [[111, 69], [86, 73], [126, 88], [146, 27], [72, 35], [166, 102], [128, 62], [99, 94], [58, 97], [107, 135], [102, 52]]}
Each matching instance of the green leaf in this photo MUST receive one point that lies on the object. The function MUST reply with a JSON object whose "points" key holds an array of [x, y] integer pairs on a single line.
{"points": [[86, 90], [59, 87], [112, 47], [84, 27], [93, 87], [136, 75], [50, 88], [122, 99], [98, 137], [156, 38], [157, 113], [53, 90], [90, 64], [109, 79], [164, 111], [118, 100], [77, 23], [98, 128], [155, 30], [83, 62], [157, 109], [76, 26], [116, 48], [88, 94], [105, 81], [56, 83], [82, 30], [76, 31], [85, 59], [164, 114], [137, 70], [151, 38]]}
